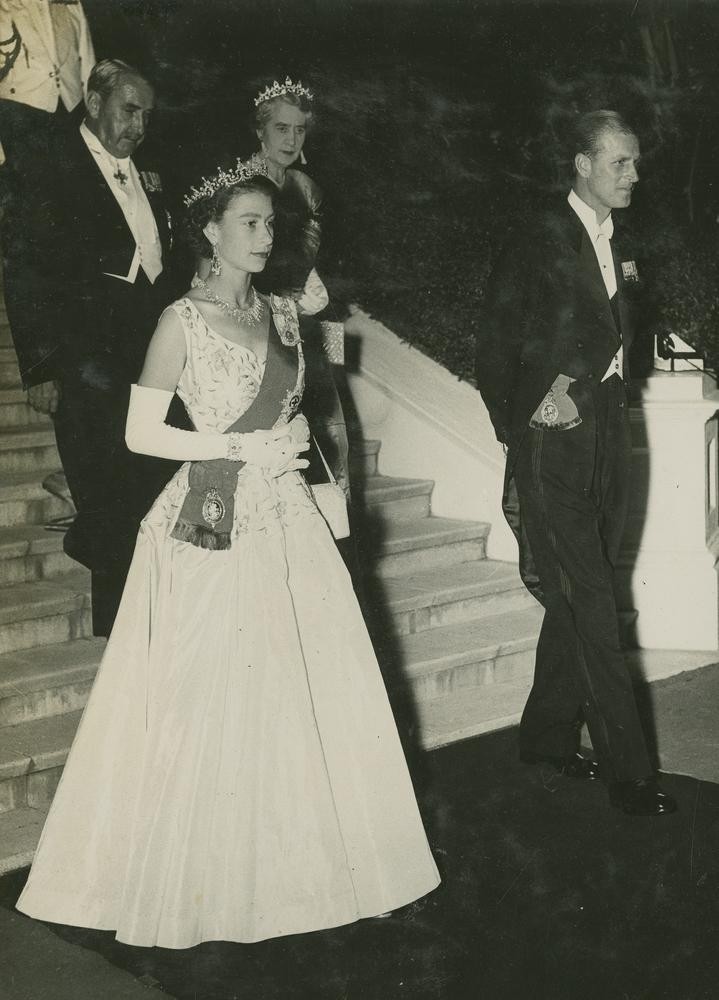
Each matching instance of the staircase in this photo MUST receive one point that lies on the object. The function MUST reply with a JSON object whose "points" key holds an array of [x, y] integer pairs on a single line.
{"points": [[47, 656], [453, 628]]}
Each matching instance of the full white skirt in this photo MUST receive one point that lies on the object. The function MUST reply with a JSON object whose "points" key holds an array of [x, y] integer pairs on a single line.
{"points": [[237, 773]]}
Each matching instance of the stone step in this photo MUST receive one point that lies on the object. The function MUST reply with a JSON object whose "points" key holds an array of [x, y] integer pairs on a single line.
{"points": [[19, 833], [16, 412], [386, 498], [448, 595], [423, 602], [32, 756], [492, 650], [454, 661], [460, 713], [24, 499], [468, 712], [395, 548], [417, 603], [9, 373], [46, 681], [45, 612], [26, 449], [363, 454], [29, 553]]}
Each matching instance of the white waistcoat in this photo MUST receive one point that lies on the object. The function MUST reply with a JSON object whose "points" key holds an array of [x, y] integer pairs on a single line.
{"points": [[56, 53]]}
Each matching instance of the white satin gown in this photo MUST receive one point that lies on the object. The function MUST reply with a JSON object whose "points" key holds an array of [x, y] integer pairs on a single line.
{"points": [[237, 773]]}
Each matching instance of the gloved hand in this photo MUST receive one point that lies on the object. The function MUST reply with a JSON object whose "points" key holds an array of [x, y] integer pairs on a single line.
{"points": [[313, 297], [298, 429], [273, 451]]}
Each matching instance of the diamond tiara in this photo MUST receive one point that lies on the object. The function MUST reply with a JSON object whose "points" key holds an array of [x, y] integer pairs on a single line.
{"points": [[256, 166], [280, 89]]}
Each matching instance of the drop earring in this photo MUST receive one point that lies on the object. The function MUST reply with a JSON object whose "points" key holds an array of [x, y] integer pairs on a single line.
{"points": [[215, 263], [303, 158]]}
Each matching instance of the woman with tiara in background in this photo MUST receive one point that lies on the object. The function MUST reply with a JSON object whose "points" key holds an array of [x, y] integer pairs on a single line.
{"points": [[237, 773], [282, 119]]}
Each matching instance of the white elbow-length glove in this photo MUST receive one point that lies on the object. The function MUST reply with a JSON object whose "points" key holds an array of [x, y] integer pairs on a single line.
{"points": [[146, 432]]}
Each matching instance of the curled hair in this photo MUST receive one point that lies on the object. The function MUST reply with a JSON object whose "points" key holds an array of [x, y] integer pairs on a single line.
{"points": [[263, 111], [590, 127], [105, 74], [212, 209]]}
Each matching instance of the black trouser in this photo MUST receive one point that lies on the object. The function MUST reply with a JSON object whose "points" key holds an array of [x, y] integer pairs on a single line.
{"points": [[573, 492], [111, 487], [26, 134], [23, 127]]}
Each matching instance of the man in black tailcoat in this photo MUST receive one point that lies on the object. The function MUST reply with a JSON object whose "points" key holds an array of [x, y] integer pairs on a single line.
{"points": [[552, 350], [86, 279]]}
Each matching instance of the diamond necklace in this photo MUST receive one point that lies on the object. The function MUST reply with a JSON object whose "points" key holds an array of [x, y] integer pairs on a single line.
{"points": [[249, 316]]}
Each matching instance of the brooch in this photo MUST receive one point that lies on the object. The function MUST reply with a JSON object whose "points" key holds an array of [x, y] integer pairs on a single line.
{"points": [[550, 410], [629, 270], [213, 509]]}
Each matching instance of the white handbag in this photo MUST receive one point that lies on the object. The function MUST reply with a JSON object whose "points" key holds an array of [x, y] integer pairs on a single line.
{"points": [[331, 501]]}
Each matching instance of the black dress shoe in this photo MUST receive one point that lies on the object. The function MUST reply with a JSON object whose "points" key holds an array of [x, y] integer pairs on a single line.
{"points": [[573, 766], [641, 797]]}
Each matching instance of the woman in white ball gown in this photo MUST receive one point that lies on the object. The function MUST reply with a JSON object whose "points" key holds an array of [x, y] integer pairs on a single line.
{"points": [[237, 773]]}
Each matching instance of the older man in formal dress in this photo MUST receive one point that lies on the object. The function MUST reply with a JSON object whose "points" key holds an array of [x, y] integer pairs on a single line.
{"points": [[84, 293], [552, 359]]}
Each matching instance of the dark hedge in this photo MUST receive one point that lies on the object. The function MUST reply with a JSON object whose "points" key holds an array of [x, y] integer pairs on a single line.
{"points": [[440, 123]]}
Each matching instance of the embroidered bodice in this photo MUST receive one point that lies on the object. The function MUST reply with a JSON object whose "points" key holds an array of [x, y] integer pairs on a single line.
{"points": [[218, 384], [220, 379]]}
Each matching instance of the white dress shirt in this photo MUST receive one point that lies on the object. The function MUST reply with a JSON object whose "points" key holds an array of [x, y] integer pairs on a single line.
{"points": [[56, 53], [124, 182], [600, 235]]}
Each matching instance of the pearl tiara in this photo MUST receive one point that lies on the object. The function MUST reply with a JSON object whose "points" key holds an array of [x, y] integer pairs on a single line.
{"points": [[280, 89], [256, 166]]}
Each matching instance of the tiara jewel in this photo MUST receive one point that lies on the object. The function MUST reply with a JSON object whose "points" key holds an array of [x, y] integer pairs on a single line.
{"points": [[243, 170], [280, 89]]}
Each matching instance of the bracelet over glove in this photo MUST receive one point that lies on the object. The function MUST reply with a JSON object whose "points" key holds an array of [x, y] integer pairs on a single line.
{"points": [[147, 433]]}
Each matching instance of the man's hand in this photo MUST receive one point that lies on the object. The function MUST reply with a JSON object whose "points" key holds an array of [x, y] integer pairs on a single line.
{"points": [[44, 397]]}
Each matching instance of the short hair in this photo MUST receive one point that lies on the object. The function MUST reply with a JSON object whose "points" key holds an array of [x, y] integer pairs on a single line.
{"points": [[105, 74], [263, 110], [212, 209], [592, 125]]}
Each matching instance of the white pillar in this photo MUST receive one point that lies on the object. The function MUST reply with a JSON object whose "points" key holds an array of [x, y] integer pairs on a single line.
{"points": [[667, 570]]}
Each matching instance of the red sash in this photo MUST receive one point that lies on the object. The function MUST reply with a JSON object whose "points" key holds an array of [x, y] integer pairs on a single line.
{"points": [[208, 510]]}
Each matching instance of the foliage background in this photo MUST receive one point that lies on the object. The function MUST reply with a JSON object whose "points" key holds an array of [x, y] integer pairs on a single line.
{"points": [[440, 123]]}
